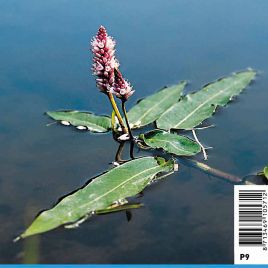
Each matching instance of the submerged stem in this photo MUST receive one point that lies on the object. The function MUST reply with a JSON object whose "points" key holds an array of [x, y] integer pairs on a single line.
{"points": [[213, 171], [119, 152], [117, 113], [131, 149]]}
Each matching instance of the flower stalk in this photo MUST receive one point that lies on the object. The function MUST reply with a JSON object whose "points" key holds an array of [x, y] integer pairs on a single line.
{"points": [[131, 149], [126, 119], [117, 113]]}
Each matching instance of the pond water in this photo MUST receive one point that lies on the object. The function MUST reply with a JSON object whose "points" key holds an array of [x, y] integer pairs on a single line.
{"points": [[45, 65]]}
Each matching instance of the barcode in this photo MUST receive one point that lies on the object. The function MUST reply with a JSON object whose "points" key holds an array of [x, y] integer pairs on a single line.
{"points": [[250, 224], [250, 217]]}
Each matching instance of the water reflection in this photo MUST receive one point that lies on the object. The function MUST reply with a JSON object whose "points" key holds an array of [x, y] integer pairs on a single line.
{"points": [[31, 246], [31, 250]]}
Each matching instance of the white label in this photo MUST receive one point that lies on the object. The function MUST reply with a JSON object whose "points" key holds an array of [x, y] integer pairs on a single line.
{"points": [[250, 224]]}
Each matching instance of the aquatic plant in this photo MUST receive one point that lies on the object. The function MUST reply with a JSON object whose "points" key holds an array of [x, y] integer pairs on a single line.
{"points": [[169, 109]]}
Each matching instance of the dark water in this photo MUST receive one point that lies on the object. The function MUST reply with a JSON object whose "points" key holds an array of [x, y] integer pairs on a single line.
{"points": [[45, 62]]}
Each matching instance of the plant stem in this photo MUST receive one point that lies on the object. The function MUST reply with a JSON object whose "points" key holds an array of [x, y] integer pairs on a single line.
{"points": [[131, 149], [129, 130], [213, 171], [125, 115], [117, 113], [119, 152], [113, 121]]}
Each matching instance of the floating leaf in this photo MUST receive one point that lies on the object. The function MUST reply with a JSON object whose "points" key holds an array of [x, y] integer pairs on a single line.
{"points": [[172, 143], [265, 172], [195, 108], [121, 182], [82, 120], [149, 109], [118, 208]]}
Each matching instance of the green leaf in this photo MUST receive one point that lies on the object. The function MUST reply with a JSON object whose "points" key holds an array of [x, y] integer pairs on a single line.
{"points": [[149, 109], [172, 143], [82, 120], [118, 208], [195, 108], [119, 183], [265, 172]]}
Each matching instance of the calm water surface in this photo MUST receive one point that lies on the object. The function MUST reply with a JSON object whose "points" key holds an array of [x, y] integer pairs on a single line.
{"points": [[45, 65]]}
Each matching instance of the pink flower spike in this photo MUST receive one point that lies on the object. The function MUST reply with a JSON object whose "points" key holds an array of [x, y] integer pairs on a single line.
{"points": [[104, 62], [122, 88]]}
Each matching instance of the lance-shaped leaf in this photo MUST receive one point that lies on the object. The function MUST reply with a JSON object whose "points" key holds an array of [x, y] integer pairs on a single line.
{"points": [[195, 108], [149, 109], [264, 172], [171, 143], [119, 183], [82, 120]]}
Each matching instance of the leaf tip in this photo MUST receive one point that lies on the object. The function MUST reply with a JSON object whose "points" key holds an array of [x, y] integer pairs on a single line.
{"points": [[250, 69], [185, 82], [17, 239]]}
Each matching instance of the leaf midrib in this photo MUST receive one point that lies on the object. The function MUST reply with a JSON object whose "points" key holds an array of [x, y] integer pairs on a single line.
{"points": [[202, 104], [172, 145], [124, 182], [87, 123], [155, 105]]}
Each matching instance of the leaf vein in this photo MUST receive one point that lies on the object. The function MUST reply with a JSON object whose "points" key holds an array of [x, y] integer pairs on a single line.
{"points": [[202, 104], [113, 189], [155, 105]]}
